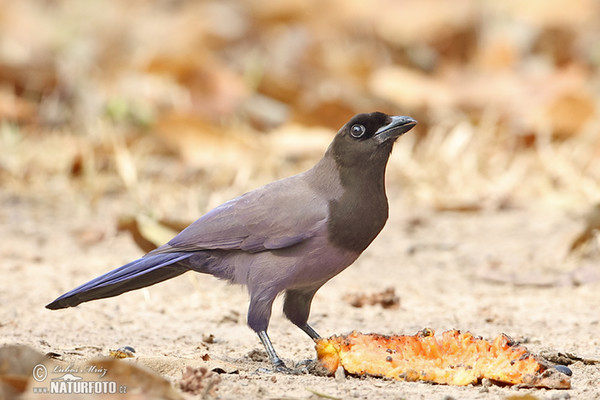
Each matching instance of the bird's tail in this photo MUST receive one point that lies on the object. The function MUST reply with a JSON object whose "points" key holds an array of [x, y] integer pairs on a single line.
{"points": [[137, 274]]}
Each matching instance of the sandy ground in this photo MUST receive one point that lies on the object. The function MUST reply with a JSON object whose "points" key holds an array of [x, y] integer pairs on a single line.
{"points": [[487, 272]]}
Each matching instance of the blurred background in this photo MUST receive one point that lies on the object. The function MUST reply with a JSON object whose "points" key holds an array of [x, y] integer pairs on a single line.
{"points": [[185, 104], [130, 119]]}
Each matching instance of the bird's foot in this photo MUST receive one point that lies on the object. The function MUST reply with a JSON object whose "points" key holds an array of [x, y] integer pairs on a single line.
{"points": [[312, 367], [306, 366], [281, 368]]}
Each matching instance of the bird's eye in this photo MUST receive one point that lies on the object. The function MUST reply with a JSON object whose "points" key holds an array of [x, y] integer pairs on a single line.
{"points": [[357, 130]]}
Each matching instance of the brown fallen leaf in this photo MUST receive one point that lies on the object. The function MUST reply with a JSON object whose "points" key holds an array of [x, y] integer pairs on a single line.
{"points": [[130, 224], [16, 109], [568, 112], [149, 233], [201, 143], [215, 90], [455, 358], [386, 299]]}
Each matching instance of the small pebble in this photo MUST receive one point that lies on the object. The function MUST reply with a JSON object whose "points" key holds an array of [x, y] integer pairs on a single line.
{"points": [[340, 374], [485, 385], [564, 369]]}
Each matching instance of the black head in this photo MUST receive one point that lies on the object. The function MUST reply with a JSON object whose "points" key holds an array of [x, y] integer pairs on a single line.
{"points": [[360, 151], [368, 136]]}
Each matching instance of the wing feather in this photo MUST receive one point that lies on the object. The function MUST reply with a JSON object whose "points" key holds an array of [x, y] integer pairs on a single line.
{"points": [[278, 215]]}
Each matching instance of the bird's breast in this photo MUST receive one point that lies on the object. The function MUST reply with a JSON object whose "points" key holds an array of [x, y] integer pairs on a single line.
{"points": [[357, 218]]}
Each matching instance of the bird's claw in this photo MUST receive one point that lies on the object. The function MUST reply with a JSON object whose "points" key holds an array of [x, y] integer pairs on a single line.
{"points": [[306, 366], [312, 367], [281, 368]]}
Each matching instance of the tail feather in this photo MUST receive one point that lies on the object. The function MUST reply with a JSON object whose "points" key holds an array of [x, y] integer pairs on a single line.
{"points": [[137, 274]]}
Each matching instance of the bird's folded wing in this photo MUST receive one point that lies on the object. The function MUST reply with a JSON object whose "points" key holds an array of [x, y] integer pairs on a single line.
{"points": [[275, 216]]}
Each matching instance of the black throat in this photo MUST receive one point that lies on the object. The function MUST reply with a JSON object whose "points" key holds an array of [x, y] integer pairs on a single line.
{"points": [[357, 217]]}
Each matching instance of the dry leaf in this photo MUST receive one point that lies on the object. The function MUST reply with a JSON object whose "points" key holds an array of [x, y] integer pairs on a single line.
{"points": [[204, 144], [149, 233], [214, 90], [16, 109], [410, 88], [386, 299]]}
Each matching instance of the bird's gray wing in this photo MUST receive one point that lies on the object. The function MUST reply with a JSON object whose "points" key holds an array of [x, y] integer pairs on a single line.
{"points": [[278, 215]]}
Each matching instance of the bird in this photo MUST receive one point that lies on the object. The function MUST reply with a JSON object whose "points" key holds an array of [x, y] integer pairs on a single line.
{"points": [[288, 237]]}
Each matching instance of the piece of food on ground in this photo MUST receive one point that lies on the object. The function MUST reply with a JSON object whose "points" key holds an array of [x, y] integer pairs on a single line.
{"points": [[455, 358]]}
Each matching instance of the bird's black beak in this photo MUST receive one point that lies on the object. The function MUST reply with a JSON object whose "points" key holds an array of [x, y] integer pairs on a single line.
{"points": [[394, 129]]}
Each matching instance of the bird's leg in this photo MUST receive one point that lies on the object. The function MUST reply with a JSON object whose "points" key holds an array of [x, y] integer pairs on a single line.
{"points": [[310, 331], [259, 312], [307, 365], [273, 357], [296, 308]]}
